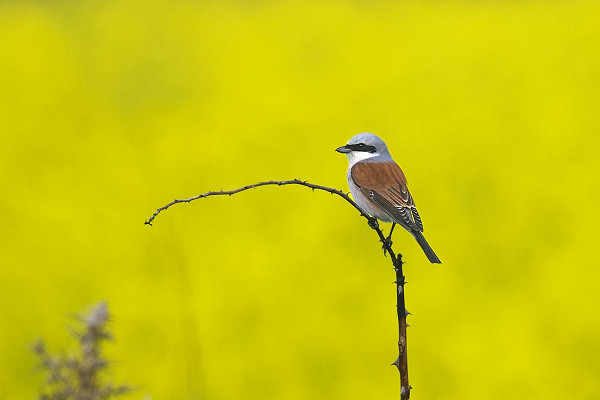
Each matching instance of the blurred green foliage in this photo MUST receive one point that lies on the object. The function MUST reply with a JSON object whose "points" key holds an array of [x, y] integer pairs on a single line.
{"points": [[110, 109]]}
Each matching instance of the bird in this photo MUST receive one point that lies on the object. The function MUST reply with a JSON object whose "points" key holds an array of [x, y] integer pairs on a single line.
{"points": [[379, 187]]}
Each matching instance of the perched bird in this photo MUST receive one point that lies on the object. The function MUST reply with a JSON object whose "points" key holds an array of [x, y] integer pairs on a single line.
{"points": [[378, 186]]}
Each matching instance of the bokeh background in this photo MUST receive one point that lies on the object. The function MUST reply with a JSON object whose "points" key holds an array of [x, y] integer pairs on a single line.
{"points": [[110, 109]]}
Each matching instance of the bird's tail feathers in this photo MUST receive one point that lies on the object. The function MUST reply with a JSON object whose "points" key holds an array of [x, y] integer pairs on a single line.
{"points": [[426, 247]]}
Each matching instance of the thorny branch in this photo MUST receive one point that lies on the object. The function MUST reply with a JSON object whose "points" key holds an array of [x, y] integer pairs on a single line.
{"points": [[268, 183], [401, 362]]}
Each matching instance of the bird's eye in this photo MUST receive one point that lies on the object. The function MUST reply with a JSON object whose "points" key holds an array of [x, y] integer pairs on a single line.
{"points": [[361, 145]]}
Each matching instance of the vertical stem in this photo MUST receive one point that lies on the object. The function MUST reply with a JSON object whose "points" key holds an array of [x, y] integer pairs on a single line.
{"points": [[402, 362]]}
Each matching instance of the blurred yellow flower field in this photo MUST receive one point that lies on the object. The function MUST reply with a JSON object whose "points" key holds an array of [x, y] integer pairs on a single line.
{"points": [[110, 109]]}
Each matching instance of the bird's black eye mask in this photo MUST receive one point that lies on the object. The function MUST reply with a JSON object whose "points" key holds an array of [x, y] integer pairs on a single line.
{"points": [[361, 147]]}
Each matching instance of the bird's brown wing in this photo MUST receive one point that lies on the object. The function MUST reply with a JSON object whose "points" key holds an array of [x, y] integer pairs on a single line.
{"points": [[385, 184]]}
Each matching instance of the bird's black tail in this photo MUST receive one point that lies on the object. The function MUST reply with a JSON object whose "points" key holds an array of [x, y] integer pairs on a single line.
{"points": [[426, 247]]}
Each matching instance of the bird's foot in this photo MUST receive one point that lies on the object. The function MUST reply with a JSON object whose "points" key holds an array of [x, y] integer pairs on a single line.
{"points": [[373, 223], [387, 244]]}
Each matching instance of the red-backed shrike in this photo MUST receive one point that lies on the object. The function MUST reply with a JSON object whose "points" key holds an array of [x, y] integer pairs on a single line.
{"points": [[378, 186]]}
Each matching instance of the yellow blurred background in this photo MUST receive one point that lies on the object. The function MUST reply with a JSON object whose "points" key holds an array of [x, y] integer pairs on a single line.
{"points": [[110, 109]]}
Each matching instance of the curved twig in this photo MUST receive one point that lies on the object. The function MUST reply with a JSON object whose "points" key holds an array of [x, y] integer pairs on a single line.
{"points": [[255, 185], [401, 362]]}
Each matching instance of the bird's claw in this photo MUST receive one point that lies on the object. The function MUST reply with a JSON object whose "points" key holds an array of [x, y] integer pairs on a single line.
{"points": [[387, 244], [373, 223]]}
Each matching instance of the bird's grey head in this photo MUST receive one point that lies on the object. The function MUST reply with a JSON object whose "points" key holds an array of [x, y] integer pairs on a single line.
{"points": [[365, 146]]}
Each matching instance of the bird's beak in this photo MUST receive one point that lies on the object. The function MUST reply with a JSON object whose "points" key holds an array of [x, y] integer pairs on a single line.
{"points": [[343, 149]]}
